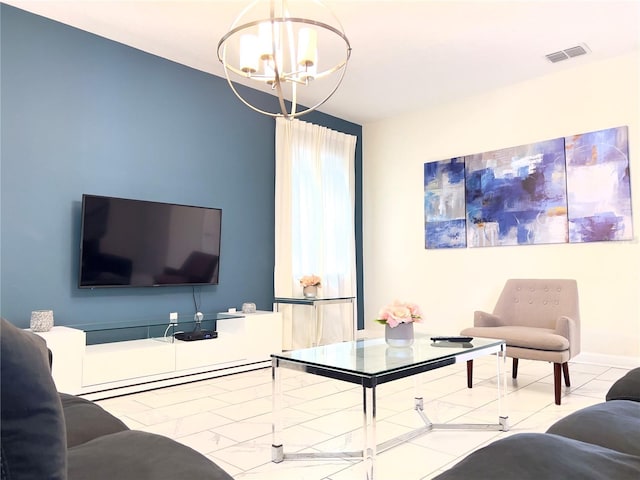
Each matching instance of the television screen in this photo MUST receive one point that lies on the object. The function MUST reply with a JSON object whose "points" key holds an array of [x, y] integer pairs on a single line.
{"points": [[136, 243]]}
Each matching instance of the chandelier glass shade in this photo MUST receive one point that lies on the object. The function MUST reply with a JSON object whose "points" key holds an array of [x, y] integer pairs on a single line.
{"points": [[293, 48]]}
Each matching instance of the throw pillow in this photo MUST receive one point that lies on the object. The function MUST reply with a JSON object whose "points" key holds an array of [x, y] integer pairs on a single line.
{"points": [[34, 444], [626, 388]]}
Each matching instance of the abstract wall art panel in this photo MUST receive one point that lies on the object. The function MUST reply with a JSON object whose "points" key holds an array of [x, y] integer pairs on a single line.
{"points": [[517, 195], [444, 204], [598, 184], [574, 189]]}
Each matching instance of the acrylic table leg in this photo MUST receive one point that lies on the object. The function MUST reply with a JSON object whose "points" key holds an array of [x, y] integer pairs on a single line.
{"points": [[418, 400], [314, 328], [277, 450], [501, 360], [369, 428], [354, 320], [417, 386]]}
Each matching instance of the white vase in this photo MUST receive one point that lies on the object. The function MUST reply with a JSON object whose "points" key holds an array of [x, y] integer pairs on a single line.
{"points": [[310, 292], [399, 336]]}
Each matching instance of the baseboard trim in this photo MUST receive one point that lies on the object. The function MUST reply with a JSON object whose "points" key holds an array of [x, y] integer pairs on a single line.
{"points": [[97, 392], [607, 360]]}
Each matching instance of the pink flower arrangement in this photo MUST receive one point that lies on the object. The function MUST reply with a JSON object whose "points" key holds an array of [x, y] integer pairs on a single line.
{"points": [[399, 312], [310, 281]]}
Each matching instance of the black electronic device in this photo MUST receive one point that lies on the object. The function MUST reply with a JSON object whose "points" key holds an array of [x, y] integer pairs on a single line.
{"points": [[455, 339], [196, 335], [138, 243]]}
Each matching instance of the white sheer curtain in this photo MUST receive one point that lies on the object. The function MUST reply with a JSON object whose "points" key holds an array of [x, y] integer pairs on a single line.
{"points": [[315, 233]]}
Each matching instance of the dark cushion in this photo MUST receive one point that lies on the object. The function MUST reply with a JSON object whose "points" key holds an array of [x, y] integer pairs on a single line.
{"points": [[614, 424], [85, 420], [542, 456], [140, 455], [626, 388], [34, 444]]}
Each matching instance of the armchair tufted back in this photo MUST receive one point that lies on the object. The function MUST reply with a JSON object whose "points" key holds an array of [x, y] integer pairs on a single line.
{"points": [[538, 302]]}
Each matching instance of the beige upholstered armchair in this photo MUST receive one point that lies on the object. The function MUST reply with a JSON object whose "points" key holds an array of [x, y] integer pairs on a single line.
{"points": [[539, 319]]}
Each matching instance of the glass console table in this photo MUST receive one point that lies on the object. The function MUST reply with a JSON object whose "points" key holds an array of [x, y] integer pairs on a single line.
{"points": [[109, 358], [314, 303], [140, 328]]}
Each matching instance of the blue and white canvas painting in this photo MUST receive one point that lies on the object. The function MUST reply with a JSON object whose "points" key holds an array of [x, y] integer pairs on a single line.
{"points": [[599, 186], [444, 205], [517, 196]]}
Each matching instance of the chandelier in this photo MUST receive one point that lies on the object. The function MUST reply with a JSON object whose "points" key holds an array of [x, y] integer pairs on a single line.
{"points": [[278, 46]]}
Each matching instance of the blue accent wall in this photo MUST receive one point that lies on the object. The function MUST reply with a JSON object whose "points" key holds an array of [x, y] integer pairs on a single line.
{"points": [[83, 114]]}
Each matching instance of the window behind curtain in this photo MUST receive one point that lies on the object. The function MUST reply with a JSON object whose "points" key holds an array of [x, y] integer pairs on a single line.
{"points": [[315, 231]]}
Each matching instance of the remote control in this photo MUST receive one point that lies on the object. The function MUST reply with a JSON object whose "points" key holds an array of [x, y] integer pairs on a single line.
{"points": [[452, 339]]}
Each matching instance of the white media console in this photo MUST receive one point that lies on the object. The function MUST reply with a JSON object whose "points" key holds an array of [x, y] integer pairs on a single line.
{"points": [[244, 342]]}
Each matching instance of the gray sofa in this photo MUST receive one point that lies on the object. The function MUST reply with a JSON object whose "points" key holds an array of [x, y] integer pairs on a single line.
{"points": [[601, 442], [55, 436]]}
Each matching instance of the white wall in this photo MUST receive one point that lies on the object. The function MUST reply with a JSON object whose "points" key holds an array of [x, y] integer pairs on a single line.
{"points": [[450, 284]]}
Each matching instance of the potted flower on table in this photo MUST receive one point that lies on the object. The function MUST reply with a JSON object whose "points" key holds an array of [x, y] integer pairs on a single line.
{"points": [[310, 285], [398, 319]]}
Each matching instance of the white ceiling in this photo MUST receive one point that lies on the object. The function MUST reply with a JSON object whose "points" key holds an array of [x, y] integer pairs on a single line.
{"points": [[407, 55]]}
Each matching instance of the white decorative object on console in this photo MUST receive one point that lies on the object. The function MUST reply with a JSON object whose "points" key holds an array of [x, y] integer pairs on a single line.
{"points": [[249, 307], [41, 320]]}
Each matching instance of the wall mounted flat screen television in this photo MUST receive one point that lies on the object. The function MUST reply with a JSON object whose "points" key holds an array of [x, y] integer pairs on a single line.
{"points": [[137, 243]]}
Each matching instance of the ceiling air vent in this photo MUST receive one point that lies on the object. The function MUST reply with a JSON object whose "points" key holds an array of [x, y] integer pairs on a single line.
{"points": [[567, 53]]}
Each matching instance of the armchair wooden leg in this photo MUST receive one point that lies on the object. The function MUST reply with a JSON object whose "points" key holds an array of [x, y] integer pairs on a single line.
{"points": [[565, 371], [557, 367], [514, 370], [469, 373]]}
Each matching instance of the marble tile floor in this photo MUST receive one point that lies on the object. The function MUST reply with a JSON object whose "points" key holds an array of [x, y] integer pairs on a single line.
{"points": [[228, 419]]}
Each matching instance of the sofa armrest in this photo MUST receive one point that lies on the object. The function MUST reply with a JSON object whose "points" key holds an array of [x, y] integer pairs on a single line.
{"points": [[86, 420], [484, 319], [568, 328], [614, 425]]}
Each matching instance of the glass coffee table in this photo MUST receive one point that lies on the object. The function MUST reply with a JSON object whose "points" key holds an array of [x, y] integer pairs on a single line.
{"points": [[370, 363]]}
